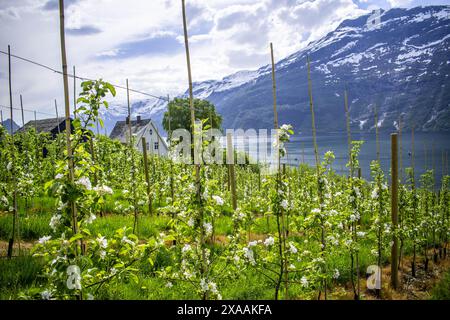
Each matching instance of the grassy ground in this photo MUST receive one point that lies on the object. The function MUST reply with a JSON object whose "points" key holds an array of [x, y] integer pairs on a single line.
{"points": [[22, 271]]}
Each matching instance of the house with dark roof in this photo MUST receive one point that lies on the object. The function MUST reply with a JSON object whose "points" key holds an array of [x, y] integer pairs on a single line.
{"points": [[53, 126], [141, 128]]}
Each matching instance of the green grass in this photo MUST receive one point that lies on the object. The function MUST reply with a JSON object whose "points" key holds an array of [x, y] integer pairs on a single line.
{"points": [[442, 290], [18, 274], [148, 226], [31, 227]]}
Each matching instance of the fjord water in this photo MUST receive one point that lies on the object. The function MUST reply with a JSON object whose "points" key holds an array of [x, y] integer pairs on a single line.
{"points": [[301, 147]]}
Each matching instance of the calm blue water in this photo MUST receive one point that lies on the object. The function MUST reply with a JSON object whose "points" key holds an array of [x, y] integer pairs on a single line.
{"points": [[424, 143]]}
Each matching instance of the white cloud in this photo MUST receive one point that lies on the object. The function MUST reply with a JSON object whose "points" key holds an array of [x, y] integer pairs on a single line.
{"points": [[400, 3]]}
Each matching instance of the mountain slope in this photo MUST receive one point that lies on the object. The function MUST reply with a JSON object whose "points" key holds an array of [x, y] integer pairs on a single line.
{"points": [[402, 67], [7, 125]]}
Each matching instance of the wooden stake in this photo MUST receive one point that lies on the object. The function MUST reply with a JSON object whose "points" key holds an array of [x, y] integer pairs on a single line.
{"points": [[377, 139], [413, 187], [91, 143], [147, 176], [401, 211], [132, 163], [35, 122], [274, 93], [129, 115], [172, 193], [13, 165], [232, 174], [67, 113], [426, 156], [400, 150], [316, 154], [282, 232], [303, 152], [313, 120], [1, 117], [394, 210], [433, 166], [349, 136], [446, 162], [412, 148], [21, 108], [203, 264], [57, 117], [74, 94]]}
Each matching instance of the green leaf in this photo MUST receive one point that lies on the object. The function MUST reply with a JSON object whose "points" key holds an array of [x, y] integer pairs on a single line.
{"points": [[76, 237], [111, 88]]}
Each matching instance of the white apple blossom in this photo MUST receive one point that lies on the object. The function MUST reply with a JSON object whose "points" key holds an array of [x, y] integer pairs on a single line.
{"points": [[360, 234], [46, 295], [103, 242], [90, 218], [218, 200], [374, 194], [44, 239], [125, 239], [269, 241], [55, 221], [102, 190], [85, 182], [208, 228], [248, 253], [252, 243], [304, 282], [292, 248], [186, 248], [336, 274]]}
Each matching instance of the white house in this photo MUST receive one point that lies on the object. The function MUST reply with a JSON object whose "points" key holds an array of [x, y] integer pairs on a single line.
{"points": [[141, 128]]}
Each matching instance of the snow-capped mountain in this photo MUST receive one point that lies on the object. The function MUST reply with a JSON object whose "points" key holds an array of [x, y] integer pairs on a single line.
{"points": [[401, 66], [149, 108]]}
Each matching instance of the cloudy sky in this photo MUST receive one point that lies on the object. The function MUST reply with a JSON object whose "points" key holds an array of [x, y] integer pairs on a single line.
{"points": [[142, 40]]}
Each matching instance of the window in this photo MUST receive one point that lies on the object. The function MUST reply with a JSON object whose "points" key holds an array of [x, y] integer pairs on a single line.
{"points": [[148, 145], [151, 131], [156, 145]]}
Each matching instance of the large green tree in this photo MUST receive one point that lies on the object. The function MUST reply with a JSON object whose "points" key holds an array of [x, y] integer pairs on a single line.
{"points": [[180, 114]]}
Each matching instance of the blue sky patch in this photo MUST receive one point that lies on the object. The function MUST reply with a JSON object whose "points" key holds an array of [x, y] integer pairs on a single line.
{"points": [[156, 46], [83, 31]]}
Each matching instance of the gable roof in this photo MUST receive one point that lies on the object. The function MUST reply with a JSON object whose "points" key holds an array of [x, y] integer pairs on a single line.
{"points": [[121, 128], [44, 125]]}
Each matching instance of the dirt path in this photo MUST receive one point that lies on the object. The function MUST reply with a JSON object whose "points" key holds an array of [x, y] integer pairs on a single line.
{"points": [[25, 246], [412, 288]]}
